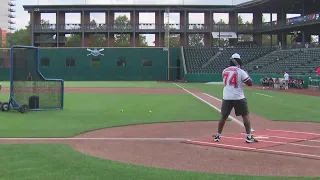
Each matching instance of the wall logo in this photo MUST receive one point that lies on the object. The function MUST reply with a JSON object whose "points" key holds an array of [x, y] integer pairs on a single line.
{"points": [[95, 52]]}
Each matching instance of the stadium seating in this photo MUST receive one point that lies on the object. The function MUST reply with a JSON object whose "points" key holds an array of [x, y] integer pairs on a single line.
{"points": [[196, 58], [269, 59], [257, 60], [298, 62]]}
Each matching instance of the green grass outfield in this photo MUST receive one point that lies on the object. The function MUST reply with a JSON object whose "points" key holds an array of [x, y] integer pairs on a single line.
{"points": [[87, 111], [272, 105]]}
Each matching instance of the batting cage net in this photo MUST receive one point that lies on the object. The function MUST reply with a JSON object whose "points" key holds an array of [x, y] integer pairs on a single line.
{"points": [[26, 81]]}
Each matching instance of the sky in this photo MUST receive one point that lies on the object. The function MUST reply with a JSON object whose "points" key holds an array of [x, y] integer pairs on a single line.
{"points": [[194, 18]]}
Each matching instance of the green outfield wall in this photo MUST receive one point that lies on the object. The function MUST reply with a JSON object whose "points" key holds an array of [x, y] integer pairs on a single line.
{"points": [[81, 64], [114, 64]]}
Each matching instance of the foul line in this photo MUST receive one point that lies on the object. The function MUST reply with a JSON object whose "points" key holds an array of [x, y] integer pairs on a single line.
{"points": [[214, 107], [59, 139], [297, 132], [280, 137], [263, 95], [255, 149], [212, 97], [276, 142], [232, 118]]}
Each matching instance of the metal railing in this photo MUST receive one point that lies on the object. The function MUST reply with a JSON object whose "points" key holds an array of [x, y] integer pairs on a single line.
{"points": [[142, 27]]}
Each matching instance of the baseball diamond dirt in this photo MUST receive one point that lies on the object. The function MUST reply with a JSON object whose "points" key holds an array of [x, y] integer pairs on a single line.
{"points": [[159, 145]]}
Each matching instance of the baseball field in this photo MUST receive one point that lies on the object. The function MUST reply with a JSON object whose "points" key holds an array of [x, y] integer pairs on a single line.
{"points": [[158, 130]]}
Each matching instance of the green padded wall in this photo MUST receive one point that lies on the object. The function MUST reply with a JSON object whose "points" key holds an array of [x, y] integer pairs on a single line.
{"points": [[107, 64], [108, 69]]}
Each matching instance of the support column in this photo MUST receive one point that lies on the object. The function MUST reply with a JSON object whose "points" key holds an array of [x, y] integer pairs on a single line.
{"points": [[107, 23], [159, 40], [85, 21], [134, 22], [282, 38], [159, 18], [233, 22], [184, 22], [159, 21], [207, 25], [257, 20], [233, 18], [182, 39], [306, 37], [37, 18], [109, 20], [281, 17], [61, 21], [137, 40]]}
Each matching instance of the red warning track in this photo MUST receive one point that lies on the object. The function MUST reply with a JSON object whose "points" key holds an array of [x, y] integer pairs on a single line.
{"points": [[290, 143]]}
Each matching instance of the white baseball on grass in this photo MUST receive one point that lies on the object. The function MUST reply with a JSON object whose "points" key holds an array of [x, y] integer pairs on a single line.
{"points": [[121, 110], [150, 111]]}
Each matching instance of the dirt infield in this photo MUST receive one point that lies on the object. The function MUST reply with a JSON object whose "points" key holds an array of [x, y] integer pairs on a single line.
{"points": [[159, 145], [108, 90]]}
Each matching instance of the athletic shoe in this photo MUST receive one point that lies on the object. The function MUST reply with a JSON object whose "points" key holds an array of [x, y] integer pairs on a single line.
{"points": [[251, 139], [216, 138]]}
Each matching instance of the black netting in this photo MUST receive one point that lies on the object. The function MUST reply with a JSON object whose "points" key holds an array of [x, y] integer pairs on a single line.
{"points": [[27, 80]]}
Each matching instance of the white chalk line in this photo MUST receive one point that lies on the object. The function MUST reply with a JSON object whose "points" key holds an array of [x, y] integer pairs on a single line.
{"points": [[275, 142], [297, 132], [255, 149], [212, 97], [231, 117], [112, 139], [209, 104], [280, 137], [263, 95]]}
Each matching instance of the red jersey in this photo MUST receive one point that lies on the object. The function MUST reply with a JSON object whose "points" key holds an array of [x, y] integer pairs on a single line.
{"points": [[318, 71], [291, 80]]}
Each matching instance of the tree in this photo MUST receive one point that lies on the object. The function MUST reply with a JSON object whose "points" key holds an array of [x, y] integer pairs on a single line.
{"points": [[96, 40], [123, 40], [220, 41], [74, 40], [174, 40], [22, 36], [196, 39], [244, 37]]}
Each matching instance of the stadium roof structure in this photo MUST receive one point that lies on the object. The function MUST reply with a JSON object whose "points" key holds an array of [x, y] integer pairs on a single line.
{"points": [[289, 6], [264, 6]]}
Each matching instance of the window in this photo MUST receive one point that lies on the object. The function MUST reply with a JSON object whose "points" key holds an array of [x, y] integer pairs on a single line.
{"points": [[44, 62], [95, 62], [121, 61], [1, 62], [70, 62], [147, 62]]}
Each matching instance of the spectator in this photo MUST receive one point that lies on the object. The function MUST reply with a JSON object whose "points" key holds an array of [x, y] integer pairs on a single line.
{"points": [[286, 80], [265, 82], [29, 77], [271, 83], [277, 83], [299, 83], [291, 82], [318, 71]]}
